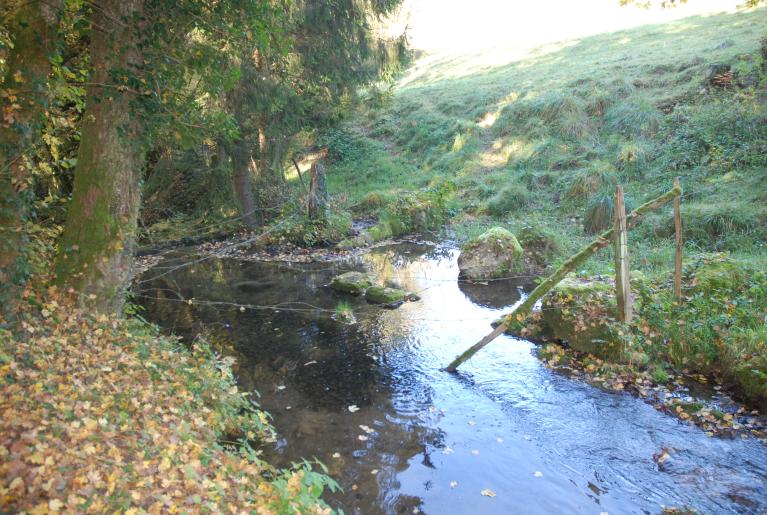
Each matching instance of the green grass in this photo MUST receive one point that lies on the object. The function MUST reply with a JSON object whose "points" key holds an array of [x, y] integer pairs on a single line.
{"points": [[536, 141]]}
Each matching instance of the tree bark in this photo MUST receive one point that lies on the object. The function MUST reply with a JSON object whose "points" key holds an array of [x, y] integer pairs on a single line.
{"points": [[33, 30], [96, 248], [520, 313], [318, 191], [242, 182]]}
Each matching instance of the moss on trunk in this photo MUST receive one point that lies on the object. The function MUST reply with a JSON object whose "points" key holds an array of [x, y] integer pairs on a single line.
{"points": [[96, 248]]}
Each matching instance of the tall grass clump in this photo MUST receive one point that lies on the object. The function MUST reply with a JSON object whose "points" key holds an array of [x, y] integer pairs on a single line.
{"points": [[584, 183], [633, 156], [636, 117], [599, 213], [508, 199], [565, 111]]}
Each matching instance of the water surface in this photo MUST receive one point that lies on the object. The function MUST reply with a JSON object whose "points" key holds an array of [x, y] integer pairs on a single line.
{"points": [[432, 442]]}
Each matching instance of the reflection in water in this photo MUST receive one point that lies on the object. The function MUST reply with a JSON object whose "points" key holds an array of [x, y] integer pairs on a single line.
{"points": [[432, 441]]}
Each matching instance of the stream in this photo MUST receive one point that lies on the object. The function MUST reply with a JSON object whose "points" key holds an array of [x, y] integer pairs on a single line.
{"points": [[417, 439]]}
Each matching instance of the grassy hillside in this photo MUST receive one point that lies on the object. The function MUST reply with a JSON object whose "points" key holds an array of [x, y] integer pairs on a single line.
{"points": [[542, 140]]}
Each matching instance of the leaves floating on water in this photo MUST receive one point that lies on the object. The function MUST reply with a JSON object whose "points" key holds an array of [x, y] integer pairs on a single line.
{"points": [[475, 452], [447, 450], [336, 455], [453, 484], [488, 493], [367, 429], [538, 473], [362, 438], [353, 408]]}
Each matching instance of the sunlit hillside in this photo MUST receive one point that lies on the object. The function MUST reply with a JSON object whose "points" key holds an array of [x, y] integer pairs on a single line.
{"points": [[543, 137]]}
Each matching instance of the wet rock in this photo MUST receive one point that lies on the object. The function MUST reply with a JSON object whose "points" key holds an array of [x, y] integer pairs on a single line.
{"points": [[489, 256], [352, 282], [384, 295], [412, 297]]}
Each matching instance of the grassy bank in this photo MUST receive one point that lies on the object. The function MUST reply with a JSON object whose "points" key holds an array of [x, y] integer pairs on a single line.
{"points": [[105, 415], [537, 144]]}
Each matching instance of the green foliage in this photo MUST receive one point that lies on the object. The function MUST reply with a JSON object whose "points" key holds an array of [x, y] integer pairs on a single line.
{"points": [[540, 242], [299, 229], [586, 182], [511, 198], [718, 326], [633, 118], [599, 213]]}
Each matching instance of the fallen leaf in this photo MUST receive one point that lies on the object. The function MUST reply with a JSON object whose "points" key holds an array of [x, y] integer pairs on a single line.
{"points": [[488, 493]]}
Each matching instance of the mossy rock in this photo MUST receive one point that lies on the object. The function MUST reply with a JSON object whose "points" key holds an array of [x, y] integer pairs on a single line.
{"points": [[716, 274], [582, 313], [384, 295], [352, 282], [489, 256]]}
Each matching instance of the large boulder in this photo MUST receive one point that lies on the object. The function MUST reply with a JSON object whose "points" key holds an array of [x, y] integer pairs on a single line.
{"points": [[384, 295], [582, 313], [352, 282], [489, 256]]}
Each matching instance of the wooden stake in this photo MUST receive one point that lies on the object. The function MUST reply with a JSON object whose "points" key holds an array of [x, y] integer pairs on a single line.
{"points": [[521, 311], [678, 238], [622, 280]]}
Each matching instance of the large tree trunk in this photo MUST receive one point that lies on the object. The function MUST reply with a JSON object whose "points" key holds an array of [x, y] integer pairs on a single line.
{"points": [[242, 173], [96, 248], [23, 93]]}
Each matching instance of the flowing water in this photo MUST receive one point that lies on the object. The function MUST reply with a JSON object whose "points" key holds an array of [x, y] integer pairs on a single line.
{"points": [[432, 442]]}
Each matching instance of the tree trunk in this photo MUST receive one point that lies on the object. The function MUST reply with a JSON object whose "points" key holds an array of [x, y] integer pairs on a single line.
{"points": [[33, 30], [96, 249], [242, 171], [318, 191]]}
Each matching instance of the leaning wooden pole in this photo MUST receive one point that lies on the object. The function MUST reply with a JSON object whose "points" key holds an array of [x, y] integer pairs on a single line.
{"points": [[678, 239], [520, 312]]}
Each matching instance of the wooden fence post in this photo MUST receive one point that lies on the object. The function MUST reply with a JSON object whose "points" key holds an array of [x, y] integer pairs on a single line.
{"points": [[678, 238], [622, 280]]}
